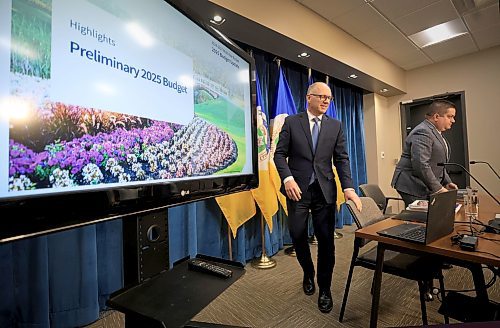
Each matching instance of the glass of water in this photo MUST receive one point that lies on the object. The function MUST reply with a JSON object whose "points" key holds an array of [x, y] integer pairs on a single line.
{"points": [[471, 204]]}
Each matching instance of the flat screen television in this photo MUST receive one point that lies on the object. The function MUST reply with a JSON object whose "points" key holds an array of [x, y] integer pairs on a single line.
{"points": [[117, 107]]}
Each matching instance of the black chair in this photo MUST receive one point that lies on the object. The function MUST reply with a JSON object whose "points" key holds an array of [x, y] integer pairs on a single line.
{"points": [[374, 192], [403, 265]]}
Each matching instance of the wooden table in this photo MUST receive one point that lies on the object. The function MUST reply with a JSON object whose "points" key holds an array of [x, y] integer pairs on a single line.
{"points": [[442, 247]]}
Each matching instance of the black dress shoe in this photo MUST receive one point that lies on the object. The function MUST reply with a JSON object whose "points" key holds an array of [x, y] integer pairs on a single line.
{"points": [[325, 303], [308, 285]]}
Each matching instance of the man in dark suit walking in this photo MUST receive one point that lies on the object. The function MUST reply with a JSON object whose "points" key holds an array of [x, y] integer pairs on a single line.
{"points": [[417, 174], [309, 144]]}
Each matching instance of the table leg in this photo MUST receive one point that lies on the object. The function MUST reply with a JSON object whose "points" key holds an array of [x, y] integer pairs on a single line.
{"points": [[479, 283], [377, 281]]}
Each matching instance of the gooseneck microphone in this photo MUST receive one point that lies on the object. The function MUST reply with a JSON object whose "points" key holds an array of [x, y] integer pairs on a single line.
{"points": [[484, 162], [479, 183]]}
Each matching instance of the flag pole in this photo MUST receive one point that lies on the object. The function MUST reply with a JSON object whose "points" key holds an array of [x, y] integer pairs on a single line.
{"points": [[264, 262], [229, 242], [290, 251]]}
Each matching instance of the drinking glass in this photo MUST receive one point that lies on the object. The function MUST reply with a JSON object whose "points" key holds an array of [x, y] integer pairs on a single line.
{"points": [[471, 204]]}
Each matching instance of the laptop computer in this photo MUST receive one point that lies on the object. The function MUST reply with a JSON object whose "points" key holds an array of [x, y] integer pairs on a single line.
{"points": [[440, 221], [409, 215]]}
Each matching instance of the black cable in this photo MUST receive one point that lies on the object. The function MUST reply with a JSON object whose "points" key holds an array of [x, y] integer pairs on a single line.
{"points": [[495, 270], [486, 225], [491, 239], [472, 232], [487, 285], [494, 255], [477, 223], [455, 240], [462, 232]]}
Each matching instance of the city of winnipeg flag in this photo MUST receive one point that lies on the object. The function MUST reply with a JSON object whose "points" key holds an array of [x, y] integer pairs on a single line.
{"points": [[265, 194]]}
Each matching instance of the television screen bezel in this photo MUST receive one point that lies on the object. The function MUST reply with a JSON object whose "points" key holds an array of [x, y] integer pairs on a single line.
{"points": [[31, 216]]}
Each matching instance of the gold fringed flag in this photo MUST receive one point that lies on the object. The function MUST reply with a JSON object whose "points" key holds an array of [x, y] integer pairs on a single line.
{"points": [[340, 192], [237, 208]]}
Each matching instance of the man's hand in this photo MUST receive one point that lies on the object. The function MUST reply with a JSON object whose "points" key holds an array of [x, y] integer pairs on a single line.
{"points": [[351, 194], [451, 186], [443, 189], [292, 190]]}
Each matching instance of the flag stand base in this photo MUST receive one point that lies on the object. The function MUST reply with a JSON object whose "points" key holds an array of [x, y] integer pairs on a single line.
{"points": [[337, 235], [264, 262], [290, 251]]}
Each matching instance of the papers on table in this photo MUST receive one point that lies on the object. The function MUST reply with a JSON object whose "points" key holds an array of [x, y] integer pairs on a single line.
{"points": [[423, 205]]}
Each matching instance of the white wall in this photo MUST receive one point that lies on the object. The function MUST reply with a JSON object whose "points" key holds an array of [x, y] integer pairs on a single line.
{"points": [[382, 134]]}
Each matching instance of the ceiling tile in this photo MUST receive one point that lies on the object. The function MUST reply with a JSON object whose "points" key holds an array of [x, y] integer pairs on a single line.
{"points": [[483, 18], [468, 6], [366, 19], [452, 48], [434, 14], [390, 38], [398, 53], [487, 38], [395, 9], [331, 8], [383, 35], [409, 65], [408, 60]]}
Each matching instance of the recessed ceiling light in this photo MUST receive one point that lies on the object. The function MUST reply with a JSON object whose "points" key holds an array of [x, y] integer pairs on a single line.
{"points": [[304, 55], [384, 90], [439, 33], [217, 20], [353, 76]]}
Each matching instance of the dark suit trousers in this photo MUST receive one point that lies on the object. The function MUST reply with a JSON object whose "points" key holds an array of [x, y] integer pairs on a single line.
{"points": [[323, 217], [408, 199]]}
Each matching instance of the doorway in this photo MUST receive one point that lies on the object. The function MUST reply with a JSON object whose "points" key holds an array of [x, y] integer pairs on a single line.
{"points": [[413, 112]]}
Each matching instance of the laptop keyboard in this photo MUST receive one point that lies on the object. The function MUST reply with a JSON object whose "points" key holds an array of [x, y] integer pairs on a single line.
{"points": [[417, 234]]}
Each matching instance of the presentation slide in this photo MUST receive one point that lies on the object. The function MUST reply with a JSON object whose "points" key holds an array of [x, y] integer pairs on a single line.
{"points": [[102, 94]]}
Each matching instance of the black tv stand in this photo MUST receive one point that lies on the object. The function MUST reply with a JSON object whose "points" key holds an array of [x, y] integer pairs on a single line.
{"points": [[174, 297]]}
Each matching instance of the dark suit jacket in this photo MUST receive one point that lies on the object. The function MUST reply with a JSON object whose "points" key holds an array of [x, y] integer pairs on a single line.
{"points": [[295, 144], [417, 172]]}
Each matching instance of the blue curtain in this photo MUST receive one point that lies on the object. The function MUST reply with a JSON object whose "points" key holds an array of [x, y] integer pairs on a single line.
{"points": [[349, 104], [64, 279], [60, 280]]}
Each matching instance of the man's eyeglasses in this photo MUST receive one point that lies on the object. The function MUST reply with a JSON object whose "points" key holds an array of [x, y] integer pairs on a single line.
{"points": [[322, 97]]}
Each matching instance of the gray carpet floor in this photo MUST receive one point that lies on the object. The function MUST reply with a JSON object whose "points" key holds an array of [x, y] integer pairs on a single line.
{"points": [[274, 297]]}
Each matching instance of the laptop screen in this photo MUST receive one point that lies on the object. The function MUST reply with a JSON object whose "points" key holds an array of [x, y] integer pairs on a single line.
{"points": [[441, 215]]}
